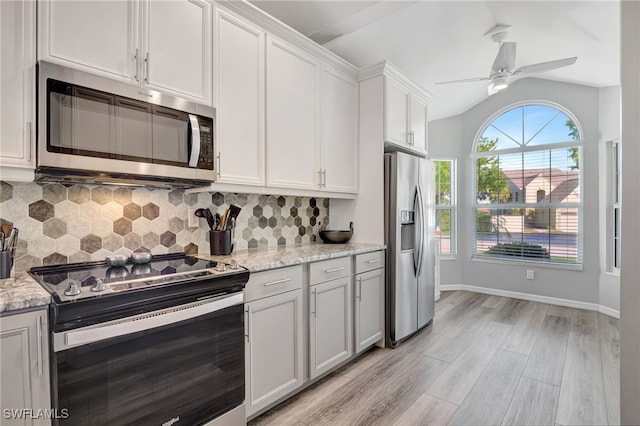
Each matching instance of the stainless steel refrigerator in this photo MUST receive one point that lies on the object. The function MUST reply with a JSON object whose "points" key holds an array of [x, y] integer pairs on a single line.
{"points": [[410, 237]]}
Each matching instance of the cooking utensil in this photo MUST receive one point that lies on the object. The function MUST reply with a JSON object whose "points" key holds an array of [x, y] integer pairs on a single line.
{"points": [[209, 216], [234, 211], [337, 237], [216, 221], [117, 260], [13, 242], [2, 239], [224, 221], [141, 257], [6, 229]]}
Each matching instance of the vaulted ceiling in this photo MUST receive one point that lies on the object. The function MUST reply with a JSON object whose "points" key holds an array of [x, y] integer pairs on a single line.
{"points": [[434, 41]]}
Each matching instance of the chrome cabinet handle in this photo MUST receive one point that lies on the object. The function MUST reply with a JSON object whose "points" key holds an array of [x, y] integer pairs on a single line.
{"points": [[146, 68], [136, 59], [374, 261], [324, 178], [359, 289], [40, 347], [284, 280], [320, 178], [219, 163], [328, 271], [246, 325], [313, 294]]}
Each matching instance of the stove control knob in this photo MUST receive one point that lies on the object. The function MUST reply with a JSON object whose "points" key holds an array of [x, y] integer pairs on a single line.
{"points": [[221, 267], [72, 290], [98, 286], [234, 264]]}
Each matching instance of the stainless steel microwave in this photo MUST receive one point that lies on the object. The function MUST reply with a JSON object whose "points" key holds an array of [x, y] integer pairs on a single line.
{"points": [[95, 130]]}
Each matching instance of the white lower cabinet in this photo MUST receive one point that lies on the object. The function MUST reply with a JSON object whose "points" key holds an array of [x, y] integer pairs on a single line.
{"points": [[24, 366], [369, 309], [330, 325], [274, 335]]}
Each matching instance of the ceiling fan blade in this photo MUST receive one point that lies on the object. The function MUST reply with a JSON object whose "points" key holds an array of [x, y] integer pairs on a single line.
{"points": [[506, 58], [544, 66], [496, 29], [465, 80]]}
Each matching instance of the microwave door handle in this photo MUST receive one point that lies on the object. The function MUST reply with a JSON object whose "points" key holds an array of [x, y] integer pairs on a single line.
{"points": [[195, 141]]}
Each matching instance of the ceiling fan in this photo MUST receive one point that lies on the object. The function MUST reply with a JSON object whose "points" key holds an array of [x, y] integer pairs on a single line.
{"points": [[503, 70]]}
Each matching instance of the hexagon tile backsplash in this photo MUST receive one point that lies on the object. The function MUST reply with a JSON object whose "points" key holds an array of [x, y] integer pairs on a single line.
{"points": [[77, 223]]}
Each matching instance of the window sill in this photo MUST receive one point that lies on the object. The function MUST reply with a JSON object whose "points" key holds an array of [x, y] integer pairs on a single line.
{"points": [[448, 257], [527, 263]]}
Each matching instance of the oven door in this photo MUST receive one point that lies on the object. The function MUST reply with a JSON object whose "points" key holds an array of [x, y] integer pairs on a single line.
{"points": [[179, 366]]}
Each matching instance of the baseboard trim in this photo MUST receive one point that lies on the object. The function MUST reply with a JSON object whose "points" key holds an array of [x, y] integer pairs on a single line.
{"points": [[533, 298]]}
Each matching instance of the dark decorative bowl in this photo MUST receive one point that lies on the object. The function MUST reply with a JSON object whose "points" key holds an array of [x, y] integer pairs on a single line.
{"points": [[337, 237]]}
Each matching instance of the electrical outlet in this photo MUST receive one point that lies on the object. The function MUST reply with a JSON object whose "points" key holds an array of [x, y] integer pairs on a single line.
{"points": [[530, 274], [193, 220]]}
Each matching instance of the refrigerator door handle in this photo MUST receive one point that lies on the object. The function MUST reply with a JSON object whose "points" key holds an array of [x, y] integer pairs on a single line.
{"points": [[421, 228], [417, 248]]}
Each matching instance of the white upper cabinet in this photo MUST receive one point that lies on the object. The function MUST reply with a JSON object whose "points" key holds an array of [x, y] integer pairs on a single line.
{"points": [[405, 110], [177, 47], [418, 123], [96, 36], [17, 97], [293, 78], [339, 133], [397, 112], [239, 99], [163, 45]]}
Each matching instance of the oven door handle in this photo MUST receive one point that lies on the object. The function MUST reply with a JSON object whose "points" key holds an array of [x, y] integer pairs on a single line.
{"points": [[142, 322]]}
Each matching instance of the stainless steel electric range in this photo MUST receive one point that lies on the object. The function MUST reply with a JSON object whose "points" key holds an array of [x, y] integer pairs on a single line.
{"points": [[160, 343]]}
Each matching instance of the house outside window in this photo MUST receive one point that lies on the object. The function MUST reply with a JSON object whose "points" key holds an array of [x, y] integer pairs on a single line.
{"points": [[445, 191], [528, 185], [615, 205]]}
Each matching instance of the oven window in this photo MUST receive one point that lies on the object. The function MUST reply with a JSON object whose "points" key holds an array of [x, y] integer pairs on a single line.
{"points": [[192, 369], [93, 123]]}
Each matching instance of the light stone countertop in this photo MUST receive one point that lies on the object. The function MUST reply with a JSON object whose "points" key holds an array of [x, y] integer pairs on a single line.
{"points": [[21, 292], [278, 257]]}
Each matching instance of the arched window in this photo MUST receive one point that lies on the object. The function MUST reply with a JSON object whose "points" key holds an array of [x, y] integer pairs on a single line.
{"points": [[528, 183]]}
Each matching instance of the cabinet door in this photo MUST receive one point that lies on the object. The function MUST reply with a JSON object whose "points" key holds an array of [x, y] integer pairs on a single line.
{"points": [[24, 365], [397, 112], [95, 36], [177, 47], [292, 117], [339, 145], [418, 124], [274, 359], [17, 67], [369, 309], [239, 100], [330, 323]]}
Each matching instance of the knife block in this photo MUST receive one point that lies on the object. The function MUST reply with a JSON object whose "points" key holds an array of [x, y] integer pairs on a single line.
{"points": [[220, 242]]}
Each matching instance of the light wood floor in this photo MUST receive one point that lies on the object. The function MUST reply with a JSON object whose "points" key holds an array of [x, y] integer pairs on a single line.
{"points": [[486, 360]]}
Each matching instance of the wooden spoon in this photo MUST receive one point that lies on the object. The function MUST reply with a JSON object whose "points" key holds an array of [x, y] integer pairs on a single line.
{"points": [[6, 229]]}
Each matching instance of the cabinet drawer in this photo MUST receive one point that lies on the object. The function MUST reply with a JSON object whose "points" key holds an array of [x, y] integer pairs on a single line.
{"points": [[328, 270], [268, 283], [369, 261]]}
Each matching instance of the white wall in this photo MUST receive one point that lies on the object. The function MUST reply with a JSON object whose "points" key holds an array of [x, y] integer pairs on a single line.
{"points": [[445, 138], [582, 286], [629, 288], [609, 125]]}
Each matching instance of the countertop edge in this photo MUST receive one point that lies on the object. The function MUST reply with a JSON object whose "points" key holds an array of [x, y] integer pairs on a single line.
{"points": [[257, 260], [21, 293]]}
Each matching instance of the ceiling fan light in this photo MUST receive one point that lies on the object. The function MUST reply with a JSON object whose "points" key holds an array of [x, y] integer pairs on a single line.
{"points": [[500, 83]]}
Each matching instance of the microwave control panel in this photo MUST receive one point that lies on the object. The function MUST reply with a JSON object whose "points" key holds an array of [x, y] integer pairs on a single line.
{"points": [[205, 160]]}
